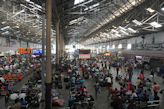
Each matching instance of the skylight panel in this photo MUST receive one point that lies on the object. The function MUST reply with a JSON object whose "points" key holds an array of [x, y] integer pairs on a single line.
{"points": [[78, 1]]}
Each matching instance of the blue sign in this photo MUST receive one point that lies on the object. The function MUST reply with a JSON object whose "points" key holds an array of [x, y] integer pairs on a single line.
{"points": [[25, 55], [36, 51]]}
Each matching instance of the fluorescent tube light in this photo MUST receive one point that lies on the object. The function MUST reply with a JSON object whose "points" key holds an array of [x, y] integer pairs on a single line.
{"points": [[150, 10], [122, 28], [118, 35], [155, 24], [5, 33], [132, 30], [114, 31], [78, 1], [4, 28], [125, 33], [137, 22], [162, 8]]}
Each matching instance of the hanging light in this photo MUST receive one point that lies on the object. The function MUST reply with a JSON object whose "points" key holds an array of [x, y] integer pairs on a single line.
{"points": [[132, 30], [137, 22], [162, 8], [150, 10], [155, 24]]}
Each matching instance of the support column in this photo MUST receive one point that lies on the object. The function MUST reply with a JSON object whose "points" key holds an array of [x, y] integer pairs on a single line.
{"points": [[63, 46], [27, 44], [19, 43], [48, 101], [43, 62], [57, 43], [61, 39]]}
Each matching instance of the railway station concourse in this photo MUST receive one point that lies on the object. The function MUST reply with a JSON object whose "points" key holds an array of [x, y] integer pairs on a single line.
{"points": [[81, 54]]}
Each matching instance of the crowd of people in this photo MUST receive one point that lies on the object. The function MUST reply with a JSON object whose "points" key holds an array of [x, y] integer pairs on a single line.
{"points": [[129, 95], [142, 94], [12, 70], [74, 82]]}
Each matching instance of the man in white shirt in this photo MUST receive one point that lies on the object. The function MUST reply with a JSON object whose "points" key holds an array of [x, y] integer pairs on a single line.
{"points": [[134, 95], [7, 68], [109, 81]]}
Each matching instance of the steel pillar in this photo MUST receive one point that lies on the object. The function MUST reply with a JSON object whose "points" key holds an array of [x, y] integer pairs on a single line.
{"points": [[57, 42], [43, 62], [48, 99], [60, 46]]}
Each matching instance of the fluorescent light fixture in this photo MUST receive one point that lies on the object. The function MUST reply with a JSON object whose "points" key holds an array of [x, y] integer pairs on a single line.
{"points": [[114, 31], [114, 26], [132, 30], [95, 5], [122, 28], [4, 28], [155, 24], [113, 46], [86, 9], [118, 35], [137, 22], [129, 46], [123, 32], [27, 0], [78, 1], [5, 33], [162, 8], [76, 20], [150, 10], [105, 34], [120, 46], [3, 22]]}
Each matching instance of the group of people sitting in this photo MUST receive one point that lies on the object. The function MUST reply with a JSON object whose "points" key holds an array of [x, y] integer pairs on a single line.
{"points": [[30, 93], [78, 91], [129, 95], [10, 73]]}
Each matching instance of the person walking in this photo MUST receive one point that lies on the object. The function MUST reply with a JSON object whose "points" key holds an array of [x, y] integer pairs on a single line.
{"points": [[130, 71], [152, 74], [117, 70], [156, 88], [96, 89]]}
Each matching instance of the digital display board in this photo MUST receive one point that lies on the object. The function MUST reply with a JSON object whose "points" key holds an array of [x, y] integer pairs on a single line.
{"points": [[24, 50], [36, 51], [84, 51]]}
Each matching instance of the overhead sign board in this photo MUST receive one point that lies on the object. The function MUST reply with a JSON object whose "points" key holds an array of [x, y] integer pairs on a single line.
{"points": [[36, 51], [24, 50]]}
